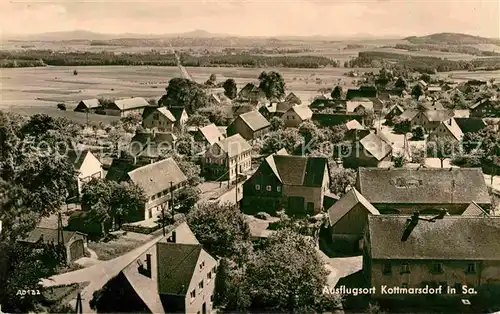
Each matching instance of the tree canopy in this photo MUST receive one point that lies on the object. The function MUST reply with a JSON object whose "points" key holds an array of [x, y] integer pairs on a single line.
{"points": [[230, 88], [184, 93], [272, 84]]}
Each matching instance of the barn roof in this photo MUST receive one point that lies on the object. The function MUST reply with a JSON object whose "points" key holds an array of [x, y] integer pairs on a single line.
{"points": [[254, 120], [450, 238], [234, 145], [376, 146], [298, 170], [211, 133], [156, 177], [346, 203], [47, 235], [423, 185], [131, 103]]}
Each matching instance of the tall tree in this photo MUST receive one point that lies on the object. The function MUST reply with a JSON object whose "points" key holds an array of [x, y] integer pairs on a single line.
{"points": [[272, 84], [341, 178], [417, 91], [277, 124], [221, 229], [184, 93], [230, 88], [337, 92], [401, 83]]}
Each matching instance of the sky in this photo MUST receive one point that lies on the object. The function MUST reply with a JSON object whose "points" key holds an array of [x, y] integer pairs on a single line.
{"points": [[253, 17]]}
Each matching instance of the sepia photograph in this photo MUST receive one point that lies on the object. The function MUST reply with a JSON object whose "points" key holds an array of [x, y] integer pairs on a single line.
{"points": [[249, 156]]}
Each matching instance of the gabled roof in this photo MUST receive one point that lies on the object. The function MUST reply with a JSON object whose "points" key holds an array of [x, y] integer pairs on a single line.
{"points": [[293, 98], [177, 265], [211, 133], [303, 111], [486, 101], [77, 157], [450, 238], [470, 125], [351, 105], [177, 112], [376, 146], [90, 103], [409, 114], [284, 106], [242, 108], [397, 107], [131, 103], [423, 186], [166, 113], [48, 235], [234, 145], [298, 170], [438, 115], [156, 177], [354, 125], [254, 120], [346, 203], [474, 210], [452, 127]]}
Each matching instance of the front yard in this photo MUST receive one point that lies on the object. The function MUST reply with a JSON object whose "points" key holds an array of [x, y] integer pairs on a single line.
{"points": [[120, 245]]}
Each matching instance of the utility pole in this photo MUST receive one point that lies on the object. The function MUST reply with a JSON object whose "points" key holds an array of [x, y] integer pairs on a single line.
{"points": [[87, 114], [163, 218], [79, 307], [172, 199], [236, 188]]}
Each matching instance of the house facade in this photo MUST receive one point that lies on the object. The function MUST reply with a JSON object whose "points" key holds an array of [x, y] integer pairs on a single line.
{"points": [[88, 105], [430, 119], [453, 252], [161, 119], [251, 125], [174, 275], [227, 158], [449, 130], [87, 166], [405, 190], [159, 180], [486, 108], [297, 115], [371, 150], [295, 183], [348, 218]]}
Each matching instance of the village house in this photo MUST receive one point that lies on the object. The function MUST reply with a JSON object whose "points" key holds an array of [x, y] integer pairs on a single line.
{"points": [[251, 125], [152, 145], [86, 166], [334, 118], [295, 183], [88, 105], [470, 125], [292, 98], [208, 135], [449, 130], [394, 111], [358, 105], [128, 106], [452, 252], [74, 242], [227, 158], [161, 119], [174, 275], [276, 109], [159, 180], [241, 108], [250, 92], [372, 150], [486, 108], [405, 191], [430, 119], [355, 131], [181, 116], [348, 218], [297, 115], [433, 89]]}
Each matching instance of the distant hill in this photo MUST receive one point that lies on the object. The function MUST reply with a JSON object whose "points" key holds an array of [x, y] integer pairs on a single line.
{"points": [[451, 39], [87, 35]]}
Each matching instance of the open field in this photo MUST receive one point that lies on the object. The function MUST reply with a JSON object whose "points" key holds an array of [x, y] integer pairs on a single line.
{"points": [[473, 75], [30, 90]]}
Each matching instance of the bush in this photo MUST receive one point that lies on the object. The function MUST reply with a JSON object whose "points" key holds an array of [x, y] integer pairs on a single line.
{"points": [[417, 133]]}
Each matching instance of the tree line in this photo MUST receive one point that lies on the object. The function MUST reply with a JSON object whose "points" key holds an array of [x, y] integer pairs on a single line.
{"points": [[33, 58], [422, 64]]}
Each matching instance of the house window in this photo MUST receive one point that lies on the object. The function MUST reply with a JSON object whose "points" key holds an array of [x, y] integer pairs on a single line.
{"points": [[278, 188], [268, 188], [437, 268], [257, 187], [471, 268], [200, 285], [202, 264], [405, 268], [209, 276], [153, 197], [387, 269], [193, 294], [214, 269]]}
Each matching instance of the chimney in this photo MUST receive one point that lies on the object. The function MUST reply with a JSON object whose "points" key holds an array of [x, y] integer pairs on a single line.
{"points": [[172, 238], [148, 265]]}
